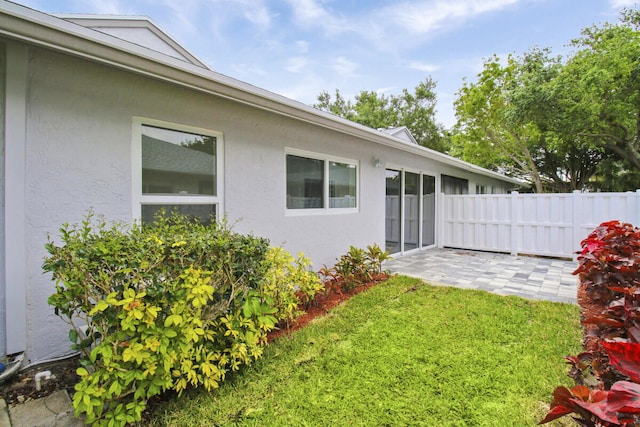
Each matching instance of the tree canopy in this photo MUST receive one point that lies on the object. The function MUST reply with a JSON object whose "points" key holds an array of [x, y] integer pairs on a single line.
{"points": [[600, 91], [561, 125], [415, 110]]}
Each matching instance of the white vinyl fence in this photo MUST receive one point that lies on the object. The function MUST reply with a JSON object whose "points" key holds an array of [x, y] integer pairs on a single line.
{"points": [[535, 224]]}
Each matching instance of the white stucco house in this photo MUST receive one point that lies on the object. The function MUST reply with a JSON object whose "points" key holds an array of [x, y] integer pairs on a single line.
{"points": [[111, 114]]}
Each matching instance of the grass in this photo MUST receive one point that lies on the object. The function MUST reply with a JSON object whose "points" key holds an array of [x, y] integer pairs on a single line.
{"points": [[401, 354]]}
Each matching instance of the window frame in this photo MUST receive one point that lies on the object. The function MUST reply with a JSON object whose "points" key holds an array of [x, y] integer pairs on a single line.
{"points": [[326, 210], [139, 199]]}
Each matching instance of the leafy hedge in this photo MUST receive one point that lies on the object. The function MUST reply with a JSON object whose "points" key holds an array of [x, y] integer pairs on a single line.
{"points": [[607, 373], [165, 307]]}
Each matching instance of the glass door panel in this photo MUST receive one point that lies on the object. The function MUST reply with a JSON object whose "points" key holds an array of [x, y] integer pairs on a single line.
{"points": [[411, 210], [428, 210], [393, 211]]}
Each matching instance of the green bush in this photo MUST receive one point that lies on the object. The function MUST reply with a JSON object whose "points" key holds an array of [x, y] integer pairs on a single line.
{"points": [[357, 267], [289, 283], [156, 308]]}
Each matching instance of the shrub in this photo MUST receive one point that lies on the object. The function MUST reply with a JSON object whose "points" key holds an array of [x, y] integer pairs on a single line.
{"points": [[155, 308], [356, 268], [289, 283], [607, 374]]}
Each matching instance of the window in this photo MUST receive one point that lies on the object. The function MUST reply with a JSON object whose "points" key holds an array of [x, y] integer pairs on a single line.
{"points": [[177, 169], [481, 189], [342, 185], [454, 185], [320, 182]]}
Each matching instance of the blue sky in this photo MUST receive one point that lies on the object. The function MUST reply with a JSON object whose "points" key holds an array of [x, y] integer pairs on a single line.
{"points": [[298, 48]]}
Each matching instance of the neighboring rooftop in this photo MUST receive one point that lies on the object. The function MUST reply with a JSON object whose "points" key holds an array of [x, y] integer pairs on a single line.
{"points": [[134, 29], [401, 132]]}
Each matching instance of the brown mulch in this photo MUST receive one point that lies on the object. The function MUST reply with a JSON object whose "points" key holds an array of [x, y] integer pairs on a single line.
{"points": [[22, 387], [324, 302]]}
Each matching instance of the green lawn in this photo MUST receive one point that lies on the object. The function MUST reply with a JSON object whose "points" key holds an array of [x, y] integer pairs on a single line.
{"points": [[401, 354]]}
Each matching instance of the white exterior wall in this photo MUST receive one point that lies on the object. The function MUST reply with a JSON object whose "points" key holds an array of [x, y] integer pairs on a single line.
{"points": [[78, 157], [79, 119]]}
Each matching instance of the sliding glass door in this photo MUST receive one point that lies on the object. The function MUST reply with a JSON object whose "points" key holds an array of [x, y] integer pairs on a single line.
{"points": [[410, 210]]}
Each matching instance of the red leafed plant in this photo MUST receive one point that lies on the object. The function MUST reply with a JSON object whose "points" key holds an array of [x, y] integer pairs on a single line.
{"points": [[607, 373], [619, 406]]}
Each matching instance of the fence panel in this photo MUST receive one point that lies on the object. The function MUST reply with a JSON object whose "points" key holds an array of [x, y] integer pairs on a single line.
{"points": [[535, 224]]}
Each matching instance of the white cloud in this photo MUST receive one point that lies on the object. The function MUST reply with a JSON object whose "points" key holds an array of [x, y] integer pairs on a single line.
{"points": [[427, 68], [384, 90], [309, 14], [343, 66], [617, 4], [296, 65], [255, 12], [426, 16], [181, 17]]}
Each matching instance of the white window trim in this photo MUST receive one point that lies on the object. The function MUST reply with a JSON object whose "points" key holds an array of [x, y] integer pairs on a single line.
{"points": [[139, 199], [326, 158]]}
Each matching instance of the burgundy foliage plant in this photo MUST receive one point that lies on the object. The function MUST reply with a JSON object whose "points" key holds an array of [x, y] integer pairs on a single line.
{"points": [[607, 373]]}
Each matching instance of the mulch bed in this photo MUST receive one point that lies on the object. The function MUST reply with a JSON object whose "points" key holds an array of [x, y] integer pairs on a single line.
{"points": [[321, 306]]}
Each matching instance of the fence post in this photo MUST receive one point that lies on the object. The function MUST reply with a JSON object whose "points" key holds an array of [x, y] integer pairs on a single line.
{"points": [[514, 223], [439, 219], [576, 216]]}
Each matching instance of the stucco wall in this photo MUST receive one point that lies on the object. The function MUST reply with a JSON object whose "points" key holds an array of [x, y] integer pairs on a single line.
{"points": [[78, 157]]}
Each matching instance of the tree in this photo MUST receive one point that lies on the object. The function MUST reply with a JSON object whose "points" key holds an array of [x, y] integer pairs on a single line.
{"points": [[414, 110], [561, 125], [489, 131], [511, 120], [600, 89]]}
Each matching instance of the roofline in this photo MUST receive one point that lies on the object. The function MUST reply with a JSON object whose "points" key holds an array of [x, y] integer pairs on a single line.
{"points": [[40, 29], [125, 21]]}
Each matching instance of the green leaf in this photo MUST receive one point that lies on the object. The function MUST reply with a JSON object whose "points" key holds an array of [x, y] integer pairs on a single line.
{"points": [[115, 388], [174, 319]]}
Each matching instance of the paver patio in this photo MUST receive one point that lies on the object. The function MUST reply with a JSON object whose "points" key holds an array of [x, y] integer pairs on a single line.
{"points": [[525, 276]]}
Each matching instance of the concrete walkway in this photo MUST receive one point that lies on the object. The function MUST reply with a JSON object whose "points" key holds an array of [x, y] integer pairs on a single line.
{"points": [[528, 277], [54, 410]]}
